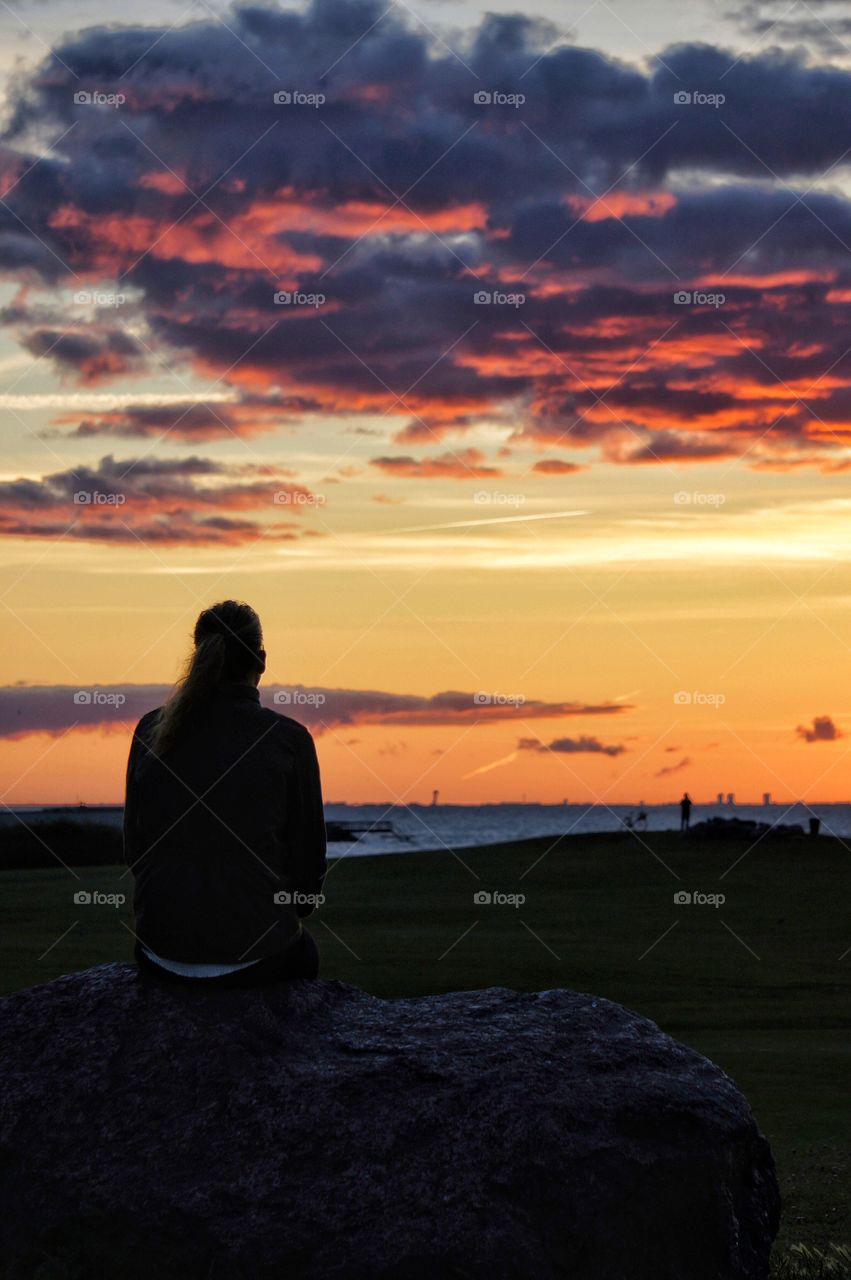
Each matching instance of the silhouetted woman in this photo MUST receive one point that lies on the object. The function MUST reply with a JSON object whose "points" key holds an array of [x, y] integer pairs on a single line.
{"points": [[223, 822]]}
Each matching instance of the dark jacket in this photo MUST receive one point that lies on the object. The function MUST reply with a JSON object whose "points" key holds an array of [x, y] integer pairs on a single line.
{"points": [[226, 835]]}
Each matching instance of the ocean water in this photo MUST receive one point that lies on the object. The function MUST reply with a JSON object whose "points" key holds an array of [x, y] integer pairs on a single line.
{"points": [[462, 826]]}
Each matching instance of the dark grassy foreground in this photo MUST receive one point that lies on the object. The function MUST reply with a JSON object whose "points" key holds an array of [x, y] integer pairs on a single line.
{"points": [[761, 984]]}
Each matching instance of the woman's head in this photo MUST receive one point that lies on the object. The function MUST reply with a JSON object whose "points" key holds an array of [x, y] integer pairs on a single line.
{"points": [[228, 648], [228, 640]]}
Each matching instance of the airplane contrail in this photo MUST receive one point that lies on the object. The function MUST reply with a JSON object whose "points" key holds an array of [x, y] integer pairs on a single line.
{"points": [[106, 400], [469, 524], [486, 768]]}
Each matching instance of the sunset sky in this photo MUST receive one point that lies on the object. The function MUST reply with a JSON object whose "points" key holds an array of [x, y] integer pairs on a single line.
{"points": [[502, 363]]}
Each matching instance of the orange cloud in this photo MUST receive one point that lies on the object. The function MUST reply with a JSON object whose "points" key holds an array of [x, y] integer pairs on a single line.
{"points": [[622, 204], [556, 467], [466, 464]]}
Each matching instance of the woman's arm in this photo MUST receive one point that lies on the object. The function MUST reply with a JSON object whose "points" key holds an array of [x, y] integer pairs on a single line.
{"points": [[307, 825], [139, 748], [131, 850]]}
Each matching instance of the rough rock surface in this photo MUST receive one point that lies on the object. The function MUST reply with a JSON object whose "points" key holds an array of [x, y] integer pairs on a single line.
{"points": [[316, 1131]]}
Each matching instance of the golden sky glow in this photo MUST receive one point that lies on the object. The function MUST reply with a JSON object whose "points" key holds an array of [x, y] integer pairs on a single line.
{"points": [[545, 404], [748, 600]]}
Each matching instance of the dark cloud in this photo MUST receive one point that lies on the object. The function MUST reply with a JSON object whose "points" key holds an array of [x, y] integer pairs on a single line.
{"points": [[463, 464], [189, 501], [556, 467], [572, 746], [196, 422], [668, 769], [822, 730], [52, 709], [94, 356], [819, 25], [666, 446], [389, 206]]}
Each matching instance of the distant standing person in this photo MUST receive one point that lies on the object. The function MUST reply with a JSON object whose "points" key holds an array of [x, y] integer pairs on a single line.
{"points": [[685, 811]]}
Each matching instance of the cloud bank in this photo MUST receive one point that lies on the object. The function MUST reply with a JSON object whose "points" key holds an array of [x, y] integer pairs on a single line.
{"points": [[54, 709], [379, 239]]}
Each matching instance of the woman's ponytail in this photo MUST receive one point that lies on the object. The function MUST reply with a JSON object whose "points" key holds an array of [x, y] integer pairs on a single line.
{"points": [[228, 642]]}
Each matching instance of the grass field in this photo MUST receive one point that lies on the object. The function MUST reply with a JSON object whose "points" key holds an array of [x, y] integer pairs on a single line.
{"points": [[760, 983]]}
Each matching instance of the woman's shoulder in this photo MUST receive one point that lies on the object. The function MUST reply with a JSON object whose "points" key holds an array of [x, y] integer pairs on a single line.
{"points": [[287, 728], [147, 721]]}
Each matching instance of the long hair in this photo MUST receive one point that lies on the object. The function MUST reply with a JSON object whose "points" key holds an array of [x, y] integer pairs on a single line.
{"points": [[228, 640]]}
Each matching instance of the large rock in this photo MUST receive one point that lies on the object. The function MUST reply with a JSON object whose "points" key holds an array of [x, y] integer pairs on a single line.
{"points": [[316, 1131]]}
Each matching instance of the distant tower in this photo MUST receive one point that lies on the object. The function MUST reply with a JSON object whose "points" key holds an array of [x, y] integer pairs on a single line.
{"points": [[720, 797], [731, 799], [766, 799], [435, 795]]}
